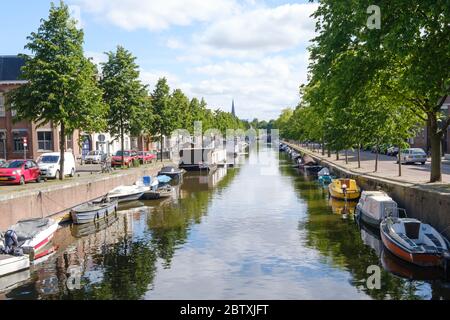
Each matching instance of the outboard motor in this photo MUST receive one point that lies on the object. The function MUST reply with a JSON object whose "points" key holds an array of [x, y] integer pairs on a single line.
{"points": [[12, 244], [446, 258]]}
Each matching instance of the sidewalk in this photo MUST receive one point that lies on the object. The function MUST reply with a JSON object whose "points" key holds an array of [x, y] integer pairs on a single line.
{"points": [[387, 167]]}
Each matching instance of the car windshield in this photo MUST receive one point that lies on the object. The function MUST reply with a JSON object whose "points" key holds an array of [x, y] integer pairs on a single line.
{"points": [[13, 164], [417, 151], [94, 153], [49, 159], [123, 153], [142, 153]]}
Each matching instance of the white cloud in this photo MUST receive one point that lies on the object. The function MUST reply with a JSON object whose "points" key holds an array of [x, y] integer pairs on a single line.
{"points": [[260, 88], [157, 15], [260, 30]]}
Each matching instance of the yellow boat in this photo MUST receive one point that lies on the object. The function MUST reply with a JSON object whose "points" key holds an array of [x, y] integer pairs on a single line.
{"points": [[344, 189]]}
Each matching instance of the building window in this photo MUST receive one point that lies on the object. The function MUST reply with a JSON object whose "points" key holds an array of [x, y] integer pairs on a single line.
{"points": [[45, 140], [18, 140], [2, 106], [3, 144], [69, 142]]}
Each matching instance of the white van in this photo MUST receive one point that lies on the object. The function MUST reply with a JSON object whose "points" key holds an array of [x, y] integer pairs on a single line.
{"points": [[49, 165]]}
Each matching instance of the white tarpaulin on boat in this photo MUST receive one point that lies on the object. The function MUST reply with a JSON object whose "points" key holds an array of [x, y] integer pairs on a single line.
{"points": [[27, 229], [379, 207]]}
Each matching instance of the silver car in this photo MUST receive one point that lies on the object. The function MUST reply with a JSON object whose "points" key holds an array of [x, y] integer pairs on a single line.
{"points": [[413, 155], [95, 157]]}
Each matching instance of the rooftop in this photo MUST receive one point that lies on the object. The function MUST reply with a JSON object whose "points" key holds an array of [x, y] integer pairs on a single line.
{"points": [[10, 68]]}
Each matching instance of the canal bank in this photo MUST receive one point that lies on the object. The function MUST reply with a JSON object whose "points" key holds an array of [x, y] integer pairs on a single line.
{"points": [[56, 199], [429, 203], [237, 233]]}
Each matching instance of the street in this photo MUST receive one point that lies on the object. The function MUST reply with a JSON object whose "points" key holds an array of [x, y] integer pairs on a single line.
{"points": [[387, 167]]}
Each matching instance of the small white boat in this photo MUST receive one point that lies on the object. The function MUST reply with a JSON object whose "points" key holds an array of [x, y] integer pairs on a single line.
{"points": [[13, 280], [34, 234], [127, 193], [11, 264], [375, 206]]}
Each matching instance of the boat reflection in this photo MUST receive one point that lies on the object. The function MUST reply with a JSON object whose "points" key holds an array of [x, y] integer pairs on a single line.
{"points": [[343, 207]]}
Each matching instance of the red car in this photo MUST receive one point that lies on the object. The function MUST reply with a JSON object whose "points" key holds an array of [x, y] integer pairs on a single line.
{"points": [[128, 158], [146, 157], [19, 172]]}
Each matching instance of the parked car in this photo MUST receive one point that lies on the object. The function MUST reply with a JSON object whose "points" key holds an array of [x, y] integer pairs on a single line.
{"points": [[95, 157], [392, 151], [413, 155], [2, 161], [129, 156], [146, 157], [19, 172], [50, 165]]}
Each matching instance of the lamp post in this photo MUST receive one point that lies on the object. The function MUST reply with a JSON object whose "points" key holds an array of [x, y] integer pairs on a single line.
{"points": [[25, 144]]}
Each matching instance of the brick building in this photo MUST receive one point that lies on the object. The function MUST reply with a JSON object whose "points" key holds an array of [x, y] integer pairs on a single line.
{"points": [[422, 140], [40, 139]]}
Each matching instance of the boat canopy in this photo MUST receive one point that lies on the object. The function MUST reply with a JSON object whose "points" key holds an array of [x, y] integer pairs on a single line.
{"points": [[380, 207], [164, 179], [324, 172]]}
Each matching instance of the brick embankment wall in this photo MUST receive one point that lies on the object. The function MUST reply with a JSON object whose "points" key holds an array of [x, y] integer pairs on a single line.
{"points": [[58, 199]]}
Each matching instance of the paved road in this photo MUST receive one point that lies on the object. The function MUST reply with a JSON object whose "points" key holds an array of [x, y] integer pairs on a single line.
{"points": [[388, 168], [84, 172]]}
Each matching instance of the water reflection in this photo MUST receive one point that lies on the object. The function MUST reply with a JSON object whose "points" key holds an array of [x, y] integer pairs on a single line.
{"points": [[241, 233]]}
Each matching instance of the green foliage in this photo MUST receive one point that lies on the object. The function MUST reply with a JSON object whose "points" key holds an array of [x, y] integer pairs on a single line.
{"points": [[62, 84], [129, 111], [376, 86]]}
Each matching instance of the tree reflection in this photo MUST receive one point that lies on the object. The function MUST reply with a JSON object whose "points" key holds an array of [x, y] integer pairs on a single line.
{"points": [[340, 243]]}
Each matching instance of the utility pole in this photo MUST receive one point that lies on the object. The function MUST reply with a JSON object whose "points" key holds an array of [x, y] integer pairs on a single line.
{"points": [[25, 144]]}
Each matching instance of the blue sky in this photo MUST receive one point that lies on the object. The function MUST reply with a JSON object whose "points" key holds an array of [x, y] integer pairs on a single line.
{"points": [[253, 51]]}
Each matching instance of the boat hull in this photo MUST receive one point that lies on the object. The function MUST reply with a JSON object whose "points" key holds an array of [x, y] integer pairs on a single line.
{"points": [[40, 240], [127, 198], [79, 217], [419, 259], [10, 264], [366, 218], [353, 196]]}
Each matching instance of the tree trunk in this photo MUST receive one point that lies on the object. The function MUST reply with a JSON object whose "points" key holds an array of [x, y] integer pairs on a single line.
{"points": [[399, 162], [122, 145], [62, 150], [376, 161], [162, 148], [359, 156], [329, 152], [436, 150], [337, 155]]}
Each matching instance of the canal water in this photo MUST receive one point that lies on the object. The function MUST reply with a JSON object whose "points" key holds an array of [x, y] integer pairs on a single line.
{"points": [[258, 231]]}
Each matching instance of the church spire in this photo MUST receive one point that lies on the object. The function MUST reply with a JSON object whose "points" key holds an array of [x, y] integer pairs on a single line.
{"points": [[233, 110]]}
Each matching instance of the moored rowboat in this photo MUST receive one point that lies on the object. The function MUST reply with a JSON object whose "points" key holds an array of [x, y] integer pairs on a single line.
{"points": [[93, 211]]}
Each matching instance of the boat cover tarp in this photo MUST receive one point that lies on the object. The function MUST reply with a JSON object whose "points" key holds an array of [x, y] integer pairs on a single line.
{"points": [[379, 207], [324, 172], [27, 229], [308, 161], [164, 179]]}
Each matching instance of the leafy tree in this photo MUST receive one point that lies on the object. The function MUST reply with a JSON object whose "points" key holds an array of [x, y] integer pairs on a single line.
{"points": [[124, 94], [62, 84]]}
